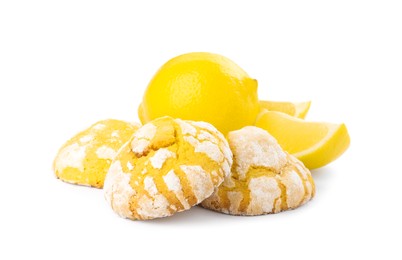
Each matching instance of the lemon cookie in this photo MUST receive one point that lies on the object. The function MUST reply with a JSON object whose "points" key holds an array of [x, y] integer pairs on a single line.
{"points": [[264, 178], [168, 166], [86, 158]]}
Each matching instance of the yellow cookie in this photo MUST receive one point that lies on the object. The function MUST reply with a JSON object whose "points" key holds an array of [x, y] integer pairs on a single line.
{"points": [[86, 158], [168, 166], [264, 178]]}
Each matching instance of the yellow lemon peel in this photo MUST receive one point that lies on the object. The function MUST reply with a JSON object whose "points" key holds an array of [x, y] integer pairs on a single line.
{"points": [[202, 87], [296, 109], [315, 144]]}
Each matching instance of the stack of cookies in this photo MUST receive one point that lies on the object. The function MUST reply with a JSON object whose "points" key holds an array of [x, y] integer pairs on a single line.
{"points": [[170, 165]]}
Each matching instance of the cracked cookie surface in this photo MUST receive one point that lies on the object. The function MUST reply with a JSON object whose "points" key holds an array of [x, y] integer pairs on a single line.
{"points": [[264, 178], [86, 158], [168, 166]]}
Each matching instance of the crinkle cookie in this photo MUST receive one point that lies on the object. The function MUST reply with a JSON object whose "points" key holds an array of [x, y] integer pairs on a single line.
{"points": [[264, 178], [168, 166], [86, 158]]}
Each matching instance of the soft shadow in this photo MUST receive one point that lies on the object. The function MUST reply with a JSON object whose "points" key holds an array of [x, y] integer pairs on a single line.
{"points": [[324, 180], [196, 215], [322, 176], [199, 216]]}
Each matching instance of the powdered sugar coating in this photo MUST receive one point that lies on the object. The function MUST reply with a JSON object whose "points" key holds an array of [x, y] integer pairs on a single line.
{"points": [[155, 207], [206, 126], [117, 190], [160, 157], [105, 152], [70, 156], [254, 147], [173, 184], [206, 136], [210, 149], [200, 181], [186, 128], [235, 199], [172, 181], [115, 134], [149, 186], [99, 126], [86, 139], [145, 132], [209, 141], [294, 188], [264, 190], [142, 137]]}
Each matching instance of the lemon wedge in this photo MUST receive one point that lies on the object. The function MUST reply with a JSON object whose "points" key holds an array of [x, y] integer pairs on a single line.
{"points": [[315, 144], [296, 109]]}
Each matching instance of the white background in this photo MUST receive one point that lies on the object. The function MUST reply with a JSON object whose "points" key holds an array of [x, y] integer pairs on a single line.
{"points": [[67, 64]]}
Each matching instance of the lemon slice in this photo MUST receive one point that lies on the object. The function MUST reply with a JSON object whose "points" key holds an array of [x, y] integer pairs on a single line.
{"points": [[296, 109], [315, 144]]}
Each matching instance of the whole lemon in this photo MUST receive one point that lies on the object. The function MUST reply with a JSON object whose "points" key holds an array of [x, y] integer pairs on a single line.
{"points": [[202, 86]]}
